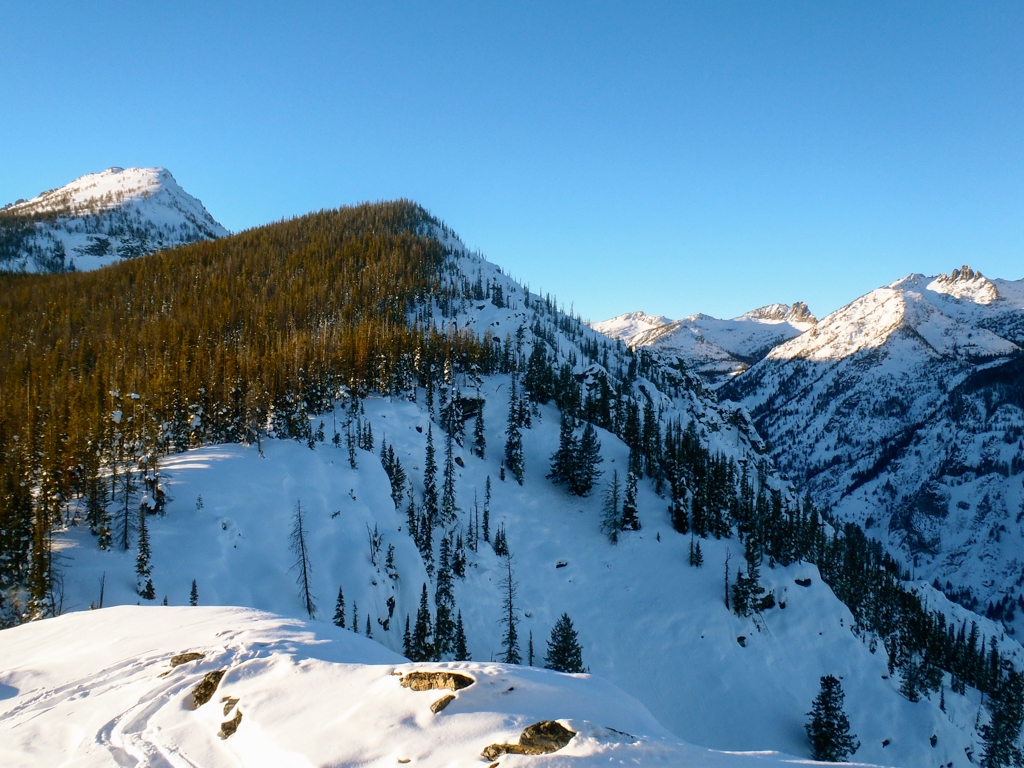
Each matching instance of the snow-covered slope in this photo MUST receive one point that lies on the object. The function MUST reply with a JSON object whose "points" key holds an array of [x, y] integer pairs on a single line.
{"points": [[102, 218], [903, 411], [109, 688], [648, 622], [716, 350]]}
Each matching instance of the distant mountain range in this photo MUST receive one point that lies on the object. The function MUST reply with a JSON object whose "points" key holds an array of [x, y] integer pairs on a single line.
{"points": [[716, 350], [902, 411], [100, 219]]}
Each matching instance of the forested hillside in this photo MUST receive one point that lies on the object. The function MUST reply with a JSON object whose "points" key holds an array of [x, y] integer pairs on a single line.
{"points": [[376, 321]]}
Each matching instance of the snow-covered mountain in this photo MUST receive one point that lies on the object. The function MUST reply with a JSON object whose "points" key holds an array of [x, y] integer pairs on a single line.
{"points": [[229, 686], [717, 350], [102, 218], [904, 411], [648, 621]]}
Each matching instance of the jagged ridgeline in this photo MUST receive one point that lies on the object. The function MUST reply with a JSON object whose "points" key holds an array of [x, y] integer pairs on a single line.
{"points": [[210, 342]]}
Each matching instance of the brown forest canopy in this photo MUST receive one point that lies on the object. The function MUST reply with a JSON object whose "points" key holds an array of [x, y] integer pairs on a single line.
{"points": [[208, 342]]}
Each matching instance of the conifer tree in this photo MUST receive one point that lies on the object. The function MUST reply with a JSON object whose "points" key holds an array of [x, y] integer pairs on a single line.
{"points": [[487, 510], [193, 596], [510, 637], [355, 617], [143, 570], [513, 437], [300, 549], [479, 444], [407, 640], [369, 627], [696, 558], [529, 650], [339, 609], [829, 728], [448, 507], [444, 602], [422, 645], [587, 458], [630, 518], [611, 512], [564, 652], [461, 651], [1006, 708], [563, 461], [430, 509]]}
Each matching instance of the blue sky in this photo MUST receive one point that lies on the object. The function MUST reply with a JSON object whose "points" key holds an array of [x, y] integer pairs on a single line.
{"points": [[675, 157]]}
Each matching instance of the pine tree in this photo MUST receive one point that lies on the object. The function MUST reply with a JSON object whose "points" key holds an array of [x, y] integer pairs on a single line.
{"points": [[487, 510], [430, 509], [510, 637], [630, 518], [444, 603], [302, 565], [461, 651], [369, 627], [696, 556], [513, 437], [1006, 706], [611, 515], [529, 650], [563, 461], [588, 456], [422, 646], [355, 617], [479, 444], [193, 596], [829, 728], [448, 507], [143, 569], [407, 639], [339, 610], [564, 652]]}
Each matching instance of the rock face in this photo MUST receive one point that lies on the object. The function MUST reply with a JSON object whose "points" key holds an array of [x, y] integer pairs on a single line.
{"points": [[436, 681], [204, 691], [538, 739]]}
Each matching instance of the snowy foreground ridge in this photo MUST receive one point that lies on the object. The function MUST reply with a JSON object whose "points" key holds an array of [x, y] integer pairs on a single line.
{"points": [[118, 687]]}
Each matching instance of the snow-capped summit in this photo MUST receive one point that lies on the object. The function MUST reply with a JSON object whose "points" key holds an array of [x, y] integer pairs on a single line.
{"points": [[101, 218], [901, 411], [715, 349]]}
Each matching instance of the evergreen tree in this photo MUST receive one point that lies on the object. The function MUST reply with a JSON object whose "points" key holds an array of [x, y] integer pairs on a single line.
{"points": [[1006, 708], [444, 603], [510, 637], [448, 507], [143, 569], [422, 646], [461, 651], [630, 518], [300, 549], [369, 627], [514, 438], [339, 610], [696, 556], [529, 650], [829, 728], [479, 444], [407, 639], [355, 617], [611, 514], [588, 457], [563, 461], [193, 596], [430, 509], [487, 510], [564, 652]]}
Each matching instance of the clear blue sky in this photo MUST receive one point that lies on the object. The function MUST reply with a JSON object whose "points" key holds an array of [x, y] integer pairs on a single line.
{"points": [[675, 157]]}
